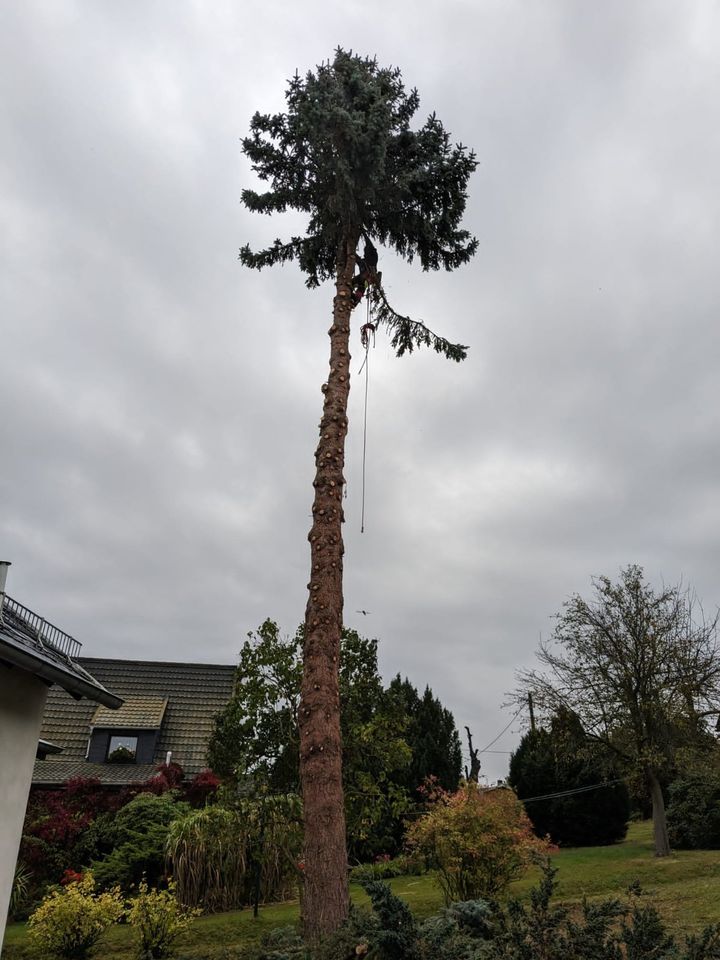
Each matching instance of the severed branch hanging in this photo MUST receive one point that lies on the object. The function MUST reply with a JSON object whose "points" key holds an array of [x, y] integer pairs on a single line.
{"points": [[406, 334]]}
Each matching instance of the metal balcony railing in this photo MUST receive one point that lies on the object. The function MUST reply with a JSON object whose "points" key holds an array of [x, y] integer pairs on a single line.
{"points": [[46, 634]]}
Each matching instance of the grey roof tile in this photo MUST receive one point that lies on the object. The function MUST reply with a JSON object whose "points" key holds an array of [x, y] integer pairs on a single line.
{"points": [[142, 713], [51, 773]]}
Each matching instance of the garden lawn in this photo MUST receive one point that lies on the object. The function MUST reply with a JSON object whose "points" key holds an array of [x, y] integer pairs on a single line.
{"points": [[685, 888]]}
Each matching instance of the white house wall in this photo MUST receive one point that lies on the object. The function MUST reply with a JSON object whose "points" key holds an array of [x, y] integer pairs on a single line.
{"points": [[22, 702]]}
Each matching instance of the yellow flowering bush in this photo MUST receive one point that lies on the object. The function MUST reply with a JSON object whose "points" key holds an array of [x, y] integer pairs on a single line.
{"points": [[477, 839], [69, 921], [157, 920]]}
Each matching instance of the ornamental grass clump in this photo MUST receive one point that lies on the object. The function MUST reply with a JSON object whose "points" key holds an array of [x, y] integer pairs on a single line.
{"points": [[218, 856], [477, 840], [70, 921], [157, 920]]}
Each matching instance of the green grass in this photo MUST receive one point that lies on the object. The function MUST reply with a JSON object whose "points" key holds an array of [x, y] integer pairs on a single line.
{"points": [[685, 888]]}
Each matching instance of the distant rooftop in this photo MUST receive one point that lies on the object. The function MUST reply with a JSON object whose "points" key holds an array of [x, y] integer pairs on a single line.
{"points": [[178, 700]]}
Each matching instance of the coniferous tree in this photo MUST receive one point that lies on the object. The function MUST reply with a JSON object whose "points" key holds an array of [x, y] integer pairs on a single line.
{"points": [[561, 760], [432, 737], [344, 154]]}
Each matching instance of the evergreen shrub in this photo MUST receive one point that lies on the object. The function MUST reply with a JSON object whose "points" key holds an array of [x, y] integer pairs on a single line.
{"points": [[536, 930], [131, 843], [693, 811], [561, 759]]}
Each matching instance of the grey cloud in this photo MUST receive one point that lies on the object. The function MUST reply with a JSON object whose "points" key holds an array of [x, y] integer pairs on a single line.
{"points": [[160, 404]]}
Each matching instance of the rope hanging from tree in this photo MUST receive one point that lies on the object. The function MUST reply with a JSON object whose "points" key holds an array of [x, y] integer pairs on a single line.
{"points": [[366, 331], [366, 277]]}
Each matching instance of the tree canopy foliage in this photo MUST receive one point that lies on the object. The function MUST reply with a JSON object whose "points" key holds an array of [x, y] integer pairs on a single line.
{"points": [[561, 759], [393, 739], [345, 154], [432, 737], [641, 670]]}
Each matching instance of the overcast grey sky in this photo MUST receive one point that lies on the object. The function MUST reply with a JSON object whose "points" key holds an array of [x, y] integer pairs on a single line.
{"points": [[159, 403]]}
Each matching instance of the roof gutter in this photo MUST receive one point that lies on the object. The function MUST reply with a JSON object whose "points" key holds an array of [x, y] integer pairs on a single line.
{"points": [[70, 680]]}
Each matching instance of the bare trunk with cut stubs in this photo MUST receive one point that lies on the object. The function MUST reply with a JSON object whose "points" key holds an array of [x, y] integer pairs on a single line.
{"points": [[473, 774], [326, 899], [660, 830]]}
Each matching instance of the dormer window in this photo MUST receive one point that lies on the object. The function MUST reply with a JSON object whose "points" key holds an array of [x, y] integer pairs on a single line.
{"points": [[127, 735]]}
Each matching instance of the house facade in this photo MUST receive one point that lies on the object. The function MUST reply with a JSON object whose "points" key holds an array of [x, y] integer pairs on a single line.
{"points": [[35, 657], [167, 714]]}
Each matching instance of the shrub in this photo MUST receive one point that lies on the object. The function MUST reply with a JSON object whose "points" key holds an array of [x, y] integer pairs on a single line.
{"points": [[202, 788], [552, 761], [478, 840], [57, 833], [70, 921], [133, 840], [157, 920], [385, 868], [397, 934], [167, 776], [217, 854], [538, 930], [693, 813], [20, 891]]}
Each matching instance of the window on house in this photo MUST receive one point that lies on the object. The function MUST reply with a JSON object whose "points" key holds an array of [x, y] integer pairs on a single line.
{"points": [[122, 749]]}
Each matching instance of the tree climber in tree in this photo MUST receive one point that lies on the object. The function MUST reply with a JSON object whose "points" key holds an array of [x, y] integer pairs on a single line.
{"points": [[367, 272]]}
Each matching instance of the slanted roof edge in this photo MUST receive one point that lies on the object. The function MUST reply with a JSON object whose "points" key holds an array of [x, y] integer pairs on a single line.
{"points": [[52, 672]]}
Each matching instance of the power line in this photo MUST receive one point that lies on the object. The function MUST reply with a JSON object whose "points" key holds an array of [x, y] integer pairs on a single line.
{"points": [[504, 730], [571, 793]]}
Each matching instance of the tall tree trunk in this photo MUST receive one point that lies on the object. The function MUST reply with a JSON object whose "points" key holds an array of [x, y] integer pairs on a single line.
{"points": [[660, 830], [326, 899]]}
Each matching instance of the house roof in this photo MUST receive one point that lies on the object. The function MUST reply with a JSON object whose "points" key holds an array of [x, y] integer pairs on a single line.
{"points": [[44, 748], [30, 643], [194, 694], [52, 773], [137, 713]]}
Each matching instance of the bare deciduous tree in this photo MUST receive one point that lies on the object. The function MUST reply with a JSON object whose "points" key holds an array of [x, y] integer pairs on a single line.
{"points": [[640, 668]]}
